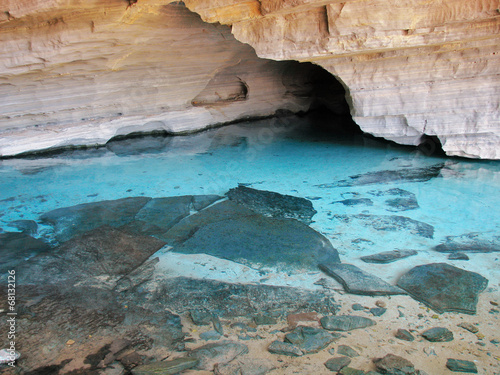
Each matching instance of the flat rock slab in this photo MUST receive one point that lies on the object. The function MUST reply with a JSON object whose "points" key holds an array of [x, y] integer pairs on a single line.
{"points": [[443, 287], [390, 176], [221, 352], [273, 204], [345, 322], [284, 348], [228, 300], [247, 366], [470, 243], [402, 200], [356, 202], [161, 214], [15, 247], [389, 223], [136, 214], [393, 364], [220, 211], [166, 367], [71, 221], [310, 339], [388, 256], [261, 241], [458, 365], [105, 251], [438, 334], [357, 281], [337, 363]]}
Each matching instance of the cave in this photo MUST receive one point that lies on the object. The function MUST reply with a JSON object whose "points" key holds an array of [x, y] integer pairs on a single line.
{"points": [[267, 187]]}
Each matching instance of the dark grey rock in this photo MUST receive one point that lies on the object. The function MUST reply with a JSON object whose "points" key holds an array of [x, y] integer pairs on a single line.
{"points": [[388, 256], [378, 311], [345, 322], [470, 243], [390, 176], [210, 335], [357, 281], [16, 247], [337, 363], [356, 202], [91, 254], [161, 214], [247, 366], [443, 287], [220, 352], [459, 365], [347, 351], [310, 339], [357, 307], [71, 221], [404, 334], [284, 348], [273, 204], [166, 367], [217, 324], [402, 204], [228, 300], [200, 317], [261, 320], [458, 256], [438, 334], [248, 240], [350, 371], [220, 211], [29, 227], [389, 223], [394, 365]]}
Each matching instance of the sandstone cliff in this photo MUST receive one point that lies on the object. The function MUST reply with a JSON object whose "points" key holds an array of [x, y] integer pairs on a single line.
{"points": [[82, 72], [410, 67]]}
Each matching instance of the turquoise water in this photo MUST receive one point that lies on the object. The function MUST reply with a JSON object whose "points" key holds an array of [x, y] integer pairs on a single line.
{"points": [[281, 155]]}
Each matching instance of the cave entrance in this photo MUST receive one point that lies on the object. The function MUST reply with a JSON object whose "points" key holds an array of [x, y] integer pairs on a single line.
{"points": [[328, 109]]}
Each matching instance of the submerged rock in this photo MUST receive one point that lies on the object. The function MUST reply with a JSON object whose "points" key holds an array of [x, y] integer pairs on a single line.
{"points": [[458, 256], [438, 334], [273, 204], [389, 223], [221, 352], [357, 281], [258, 240], [16, 247], [404, 201], [246, 366], [92, 254], [459, 365], [26, 226], [345, 322], [443, 287], [356, 202], [404, 334], [390, 176], [470, 243], [71, 221], [388, 256], [310, 339]]}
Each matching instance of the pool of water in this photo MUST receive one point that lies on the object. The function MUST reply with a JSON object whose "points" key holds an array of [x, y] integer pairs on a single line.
{"points": [[368, 194]]}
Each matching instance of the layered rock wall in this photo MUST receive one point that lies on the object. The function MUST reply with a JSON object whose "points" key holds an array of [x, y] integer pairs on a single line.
{"points": [[80, 73], [411, 67]]}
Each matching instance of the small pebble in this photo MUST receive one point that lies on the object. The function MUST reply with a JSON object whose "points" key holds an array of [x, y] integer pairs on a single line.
{"points": [[357, 307], [380, 303], [403, 334], [70, 342], [378, 311], [469, 327]]}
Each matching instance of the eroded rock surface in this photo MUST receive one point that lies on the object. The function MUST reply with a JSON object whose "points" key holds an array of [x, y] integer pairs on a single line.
{"points": [[443, 287], [400, 61]]}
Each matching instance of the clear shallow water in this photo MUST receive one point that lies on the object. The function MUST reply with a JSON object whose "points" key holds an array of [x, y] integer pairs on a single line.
{"points": [[279, 155]]}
